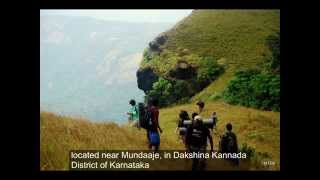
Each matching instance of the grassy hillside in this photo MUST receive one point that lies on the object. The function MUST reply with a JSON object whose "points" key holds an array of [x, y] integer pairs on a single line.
{"points": [[259, 129], [59, 135], [236, 38]]}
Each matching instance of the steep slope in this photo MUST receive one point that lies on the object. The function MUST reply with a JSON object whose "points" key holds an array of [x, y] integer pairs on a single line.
{"points": [[235, 38], [61, 134]]}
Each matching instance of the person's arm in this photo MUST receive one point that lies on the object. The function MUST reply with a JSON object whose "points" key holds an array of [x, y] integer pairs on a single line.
{"points": [[156, 119], [134, 111], [236, 143], [159, 126], [188, 136], [130, 112]]}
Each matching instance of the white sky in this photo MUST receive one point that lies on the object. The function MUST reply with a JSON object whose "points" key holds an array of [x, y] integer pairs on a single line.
{"points": [[125, 15]]}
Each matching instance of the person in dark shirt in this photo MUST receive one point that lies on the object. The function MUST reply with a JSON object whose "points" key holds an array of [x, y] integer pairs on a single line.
{"points": [[229, 143], [196, 141], [183, 115]]}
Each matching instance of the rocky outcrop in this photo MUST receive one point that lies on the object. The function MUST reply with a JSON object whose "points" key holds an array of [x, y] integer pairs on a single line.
{"points": [[182, 71], [155, 45], [146, 77]]}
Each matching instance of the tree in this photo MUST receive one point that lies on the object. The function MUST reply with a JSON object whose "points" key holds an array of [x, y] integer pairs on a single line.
{"points": [[208, 71], [162, 90]]}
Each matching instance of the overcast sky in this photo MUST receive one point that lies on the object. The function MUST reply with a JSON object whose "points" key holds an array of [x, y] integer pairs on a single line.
{"points": [[125, 15]]}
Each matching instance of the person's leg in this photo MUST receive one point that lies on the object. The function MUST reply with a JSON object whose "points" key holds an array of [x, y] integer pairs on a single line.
{"points": [[148, 137], [202, 163], [195, 163], [130, 120], [183, 137], [135, 123], [138, 124], [235, 162]]}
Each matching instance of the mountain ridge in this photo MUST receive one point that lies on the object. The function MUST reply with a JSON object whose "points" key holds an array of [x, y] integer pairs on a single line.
{"points": [[234, 38]]}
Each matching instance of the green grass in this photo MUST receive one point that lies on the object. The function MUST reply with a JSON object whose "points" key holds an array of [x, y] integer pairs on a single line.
{"points": [[238, 37]]}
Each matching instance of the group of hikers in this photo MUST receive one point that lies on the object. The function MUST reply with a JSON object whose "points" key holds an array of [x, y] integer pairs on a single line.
{"points": [[194, 132]]}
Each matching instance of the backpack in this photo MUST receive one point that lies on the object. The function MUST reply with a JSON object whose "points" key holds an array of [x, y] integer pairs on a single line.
{"points": [[142, 114], [227, 143], [197, 136], [148, 119], [154, 138]]}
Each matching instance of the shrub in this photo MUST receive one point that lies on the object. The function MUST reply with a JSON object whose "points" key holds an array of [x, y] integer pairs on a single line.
{"points": [[255, 158], [181, 89], [250, 151], [258, 89], [254, 89], [162, 90], [147, 55], [208, 71], [169, 92]]}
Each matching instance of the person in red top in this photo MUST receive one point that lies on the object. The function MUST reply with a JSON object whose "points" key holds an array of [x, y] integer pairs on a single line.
{"points": [[154, 127]]}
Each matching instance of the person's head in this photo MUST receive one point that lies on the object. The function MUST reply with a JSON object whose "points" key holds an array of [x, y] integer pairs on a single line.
{"points": [[197, 121], [132, 102], [194, 115], [153, 101], [229, 126], [200, 104], [214, 113], [184, 115]]}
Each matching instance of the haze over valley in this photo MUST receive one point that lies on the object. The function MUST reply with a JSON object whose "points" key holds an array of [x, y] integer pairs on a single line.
{"points": [[88, 65]]}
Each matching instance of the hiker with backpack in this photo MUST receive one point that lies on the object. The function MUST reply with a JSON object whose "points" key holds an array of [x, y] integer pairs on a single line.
{"points": [[183, 115], [196, 141], [133, 114], [228, 143], [153, 126]]}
